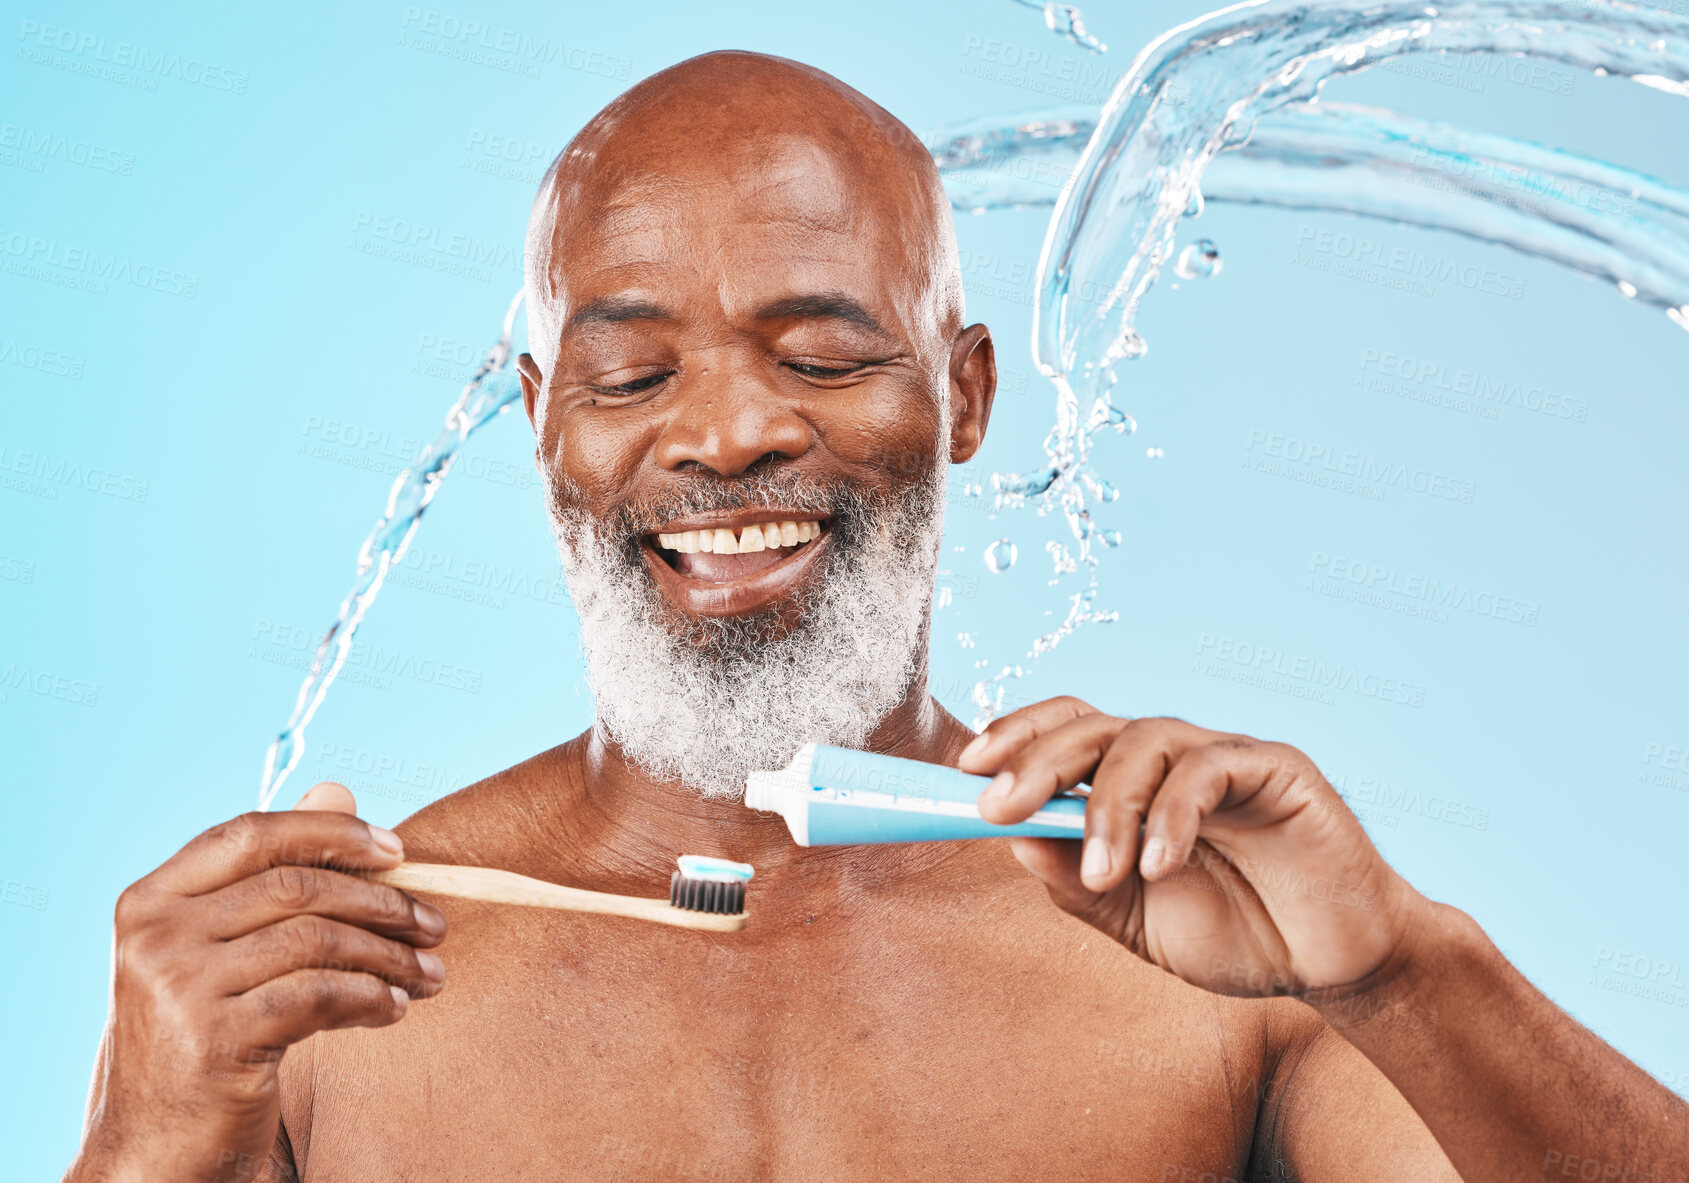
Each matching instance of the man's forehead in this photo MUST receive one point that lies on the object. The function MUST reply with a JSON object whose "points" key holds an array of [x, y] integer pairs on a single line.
{"points": [[785, 223], [783, 183], [759, 176]]}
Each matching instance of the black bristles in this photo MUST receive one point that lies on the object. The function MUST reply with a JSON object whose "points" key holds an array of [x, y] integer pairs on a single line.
{"points": [[706, 895]]}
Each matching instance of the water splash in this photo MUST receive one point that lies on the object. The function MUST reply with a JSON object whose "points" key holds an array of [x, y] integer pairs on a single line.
{"points": [[488, 393], [1244, 81], [1602, 220], [1064, 20], [1222, 108]]}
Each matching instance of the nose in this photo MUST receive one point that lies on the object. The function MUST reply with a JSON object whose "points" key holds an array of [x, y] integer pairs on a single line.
{"points": [[728, 421]]}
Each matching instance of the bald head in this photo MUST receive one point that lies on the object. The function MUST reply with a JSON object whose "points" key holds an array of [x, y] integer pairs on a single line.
{"points": [[741, 140]]}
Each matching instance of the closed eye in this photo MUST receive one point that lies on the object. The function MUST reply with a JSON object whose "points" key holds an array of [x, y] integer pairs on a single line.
{"points": [[809, 370], [636, 386]]}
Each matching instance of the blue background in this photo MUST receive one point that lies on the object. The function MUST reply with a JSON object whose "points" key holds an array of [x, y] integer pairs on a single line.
{"points": [[267, 414]]}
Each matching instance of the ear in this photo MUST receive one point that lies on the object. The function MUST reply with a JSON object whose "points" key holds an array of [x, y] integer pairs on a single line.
{"points": [[973, 386], [532, 382]]}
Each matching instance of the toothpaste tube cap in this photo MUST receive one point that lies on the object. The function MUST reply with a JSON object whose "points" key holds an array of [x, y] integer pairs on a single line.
{"points": [[762, 790]]}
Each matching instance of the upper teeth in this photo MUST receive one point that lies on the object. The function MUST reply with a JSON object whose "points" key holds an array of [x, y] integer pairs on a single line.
{"points": [[764, 536]]}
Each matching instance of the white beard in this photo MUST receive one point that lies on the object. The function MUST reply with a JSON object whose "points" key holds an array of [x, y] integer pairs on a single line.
{"points": [[732, 696]]}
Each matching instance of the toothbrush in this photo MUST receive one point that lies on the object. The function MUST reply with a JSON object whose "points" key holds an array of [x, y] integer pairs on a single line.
{"points": [[837, 796], [705, 893]]}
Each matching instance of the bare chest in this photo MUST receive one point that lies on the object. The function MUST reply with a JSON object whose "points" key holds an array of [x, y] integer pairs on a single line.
{"points": [[929, 1053]]}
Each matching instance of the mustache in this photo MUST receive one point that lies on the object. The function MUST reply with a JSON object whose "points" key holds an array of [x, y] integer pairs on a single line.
{"points": [[840, 500]]}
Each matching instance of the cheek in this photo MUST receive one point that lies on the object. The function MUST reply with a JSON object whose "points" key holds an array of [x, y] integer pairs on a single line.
{"points": [[892, 429], [601, 450]]}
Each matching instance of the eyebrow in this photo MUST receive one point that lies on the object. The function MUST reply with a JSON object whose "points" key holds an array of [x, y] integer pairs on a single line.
{"points": [[823, 306], [819, 306], [615, 310]]}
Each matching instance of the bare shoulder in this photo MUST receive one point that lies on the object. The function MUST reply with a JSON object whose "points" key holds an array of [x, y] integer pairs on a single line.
{"points": [[503, 820]]}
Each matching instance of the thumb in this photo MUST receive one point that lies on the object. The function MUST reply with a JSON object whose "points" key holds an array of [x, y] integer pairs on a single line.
{"points": [[330, 797], [1055, 862]]}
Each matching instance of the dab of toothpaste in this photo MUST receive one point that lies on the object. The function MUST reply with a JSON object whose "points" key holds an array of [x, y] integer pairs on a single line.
{"points": [[714, 870]]}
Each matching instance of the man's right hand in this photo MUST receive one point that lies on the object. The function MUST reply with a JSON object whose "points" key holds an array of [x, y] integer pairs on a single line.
{"points": [[249, 939]]}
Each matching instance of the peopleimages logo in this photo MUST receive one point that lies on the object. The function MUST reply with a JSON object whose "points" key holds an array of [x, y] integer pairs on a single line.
{"points": [[1276, 453], [506, 49], [43, 475], [1087, 79], [31, 252], [432, 247], [126, 55], [1268, 662], [1412, 264], [1482, 390], [35, 146], [1371, 583]]}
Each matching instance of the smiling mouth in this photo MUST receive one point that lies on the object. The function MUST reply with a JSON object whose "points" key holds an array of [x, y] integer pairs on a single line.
{"points": [[723, 554]]}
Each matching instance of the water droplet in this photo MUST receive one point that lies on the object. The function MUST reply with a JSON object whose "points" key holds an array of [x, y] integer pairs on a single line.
{"points": [[1111, 537], [958, 549], [1030, 485], [1195, 206], [1106, 414], [1061, 558], [1198, 260], [965, 640], [941, 599], [1001, 555], [1154, 453], [1627, 289], [1128, 347]]}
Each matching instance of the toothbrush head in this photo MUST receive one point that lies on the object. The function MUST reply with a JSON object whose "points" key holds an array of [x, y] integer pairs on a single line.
{"points": [[709, 885]]}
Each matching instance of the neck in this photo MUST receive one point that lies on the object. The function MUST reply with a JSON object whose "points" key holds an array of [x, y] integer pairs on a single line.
{"points": [[625, 823]]}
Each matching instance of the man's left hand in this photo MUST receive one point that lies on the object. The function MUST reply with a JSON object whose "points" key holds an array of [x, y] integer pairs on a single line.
{"points": [[1251, 876]]}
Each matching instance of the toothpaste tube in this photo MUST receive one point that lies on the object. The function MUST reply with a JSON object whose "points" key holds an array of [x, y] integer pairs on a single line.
{"points": [[836, 796]]}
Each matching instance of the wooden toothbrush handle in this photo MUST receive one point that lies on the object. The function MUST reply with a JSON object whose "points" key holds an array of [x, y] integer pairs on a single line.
{"points": [[507, 887]]}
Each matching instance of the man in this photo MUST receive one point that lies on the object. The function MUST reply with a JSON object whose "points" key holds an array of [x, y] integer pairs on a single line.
{"points": [[749, 372]]}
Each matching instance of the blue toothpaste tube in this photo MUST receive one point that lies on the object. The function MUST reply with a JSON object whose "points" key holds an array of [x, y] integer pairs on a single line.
{"points": [[836, 796]]}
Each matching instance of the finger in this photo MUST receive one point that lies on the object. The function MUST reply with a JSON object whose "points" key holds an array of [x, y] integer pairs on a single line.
{"points": [[1224, 773], [1054, 862], [314, 942], [255, 842], [330, 796], [285, 1010], [1006, 735], [1050, 763], [286, 891], [1127, 780]]}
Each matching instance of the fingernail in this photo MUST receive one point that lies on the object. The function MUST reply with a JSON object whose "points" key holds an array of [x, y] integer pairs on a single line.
{"points": [[975, 746], [429, 918], [387, 840], [400, 998], [1001, 785], [1097, 859], [432, 967], [1154, 851]]}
